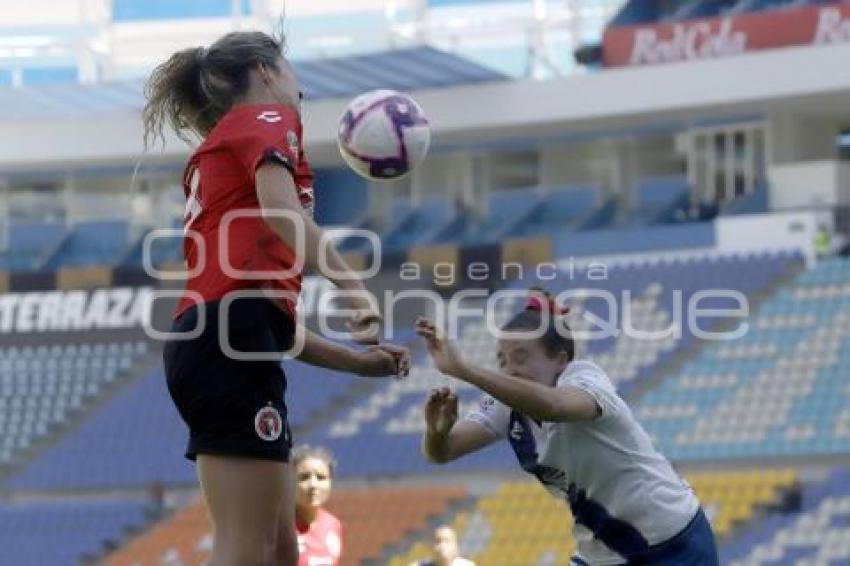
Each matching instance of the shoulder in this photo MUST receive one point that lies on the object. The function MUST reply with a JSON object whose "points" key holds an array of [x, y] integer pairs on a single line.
{"points": [[592, 379], [491, 414], [256, 120], [489, 406], [585, 371], [329, 519]]}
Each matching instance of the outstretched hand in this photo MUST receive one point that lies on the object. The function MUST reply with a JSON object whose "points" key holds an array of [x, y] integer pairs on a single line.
{"points": [[441, 411], [384, 360], [442, 350]]}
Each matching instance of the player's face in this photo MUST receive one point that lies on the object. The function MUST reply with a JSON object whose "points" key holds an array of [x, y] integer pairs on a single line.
{"points": [[527, 358], [314, 482], [445, 545]]}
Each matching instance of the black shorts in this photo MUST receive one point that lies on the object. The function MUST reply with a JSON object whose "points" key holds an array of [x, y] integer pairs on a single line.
{"points": [[232, 407]]}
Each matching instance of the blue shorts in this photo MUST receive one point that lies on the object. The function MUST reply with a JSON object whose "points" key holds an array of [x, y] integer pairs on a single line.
{"points": [[693, 546]]}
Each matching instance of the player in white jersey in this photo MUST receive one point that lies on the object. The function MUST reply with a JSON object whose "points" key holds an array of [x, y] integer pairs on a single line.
{"points": [[570, 429]]}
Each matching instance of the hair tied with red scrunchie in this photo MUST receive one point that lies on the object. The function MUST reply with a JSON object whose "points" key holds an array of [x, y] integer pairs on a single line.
{"points": [[542, 300]]}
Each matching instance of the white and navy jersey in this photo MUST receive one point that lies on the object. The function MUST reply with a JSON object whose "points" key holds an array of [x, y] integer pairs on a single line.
{"points": [[624, 495]]}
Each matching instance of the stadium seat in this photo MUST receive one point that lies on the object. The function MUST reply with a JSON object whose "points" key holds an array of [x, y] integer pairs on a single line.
{"points": [[781, 389], [818, 534], [79, 380], [92, 243], [64, 531]]}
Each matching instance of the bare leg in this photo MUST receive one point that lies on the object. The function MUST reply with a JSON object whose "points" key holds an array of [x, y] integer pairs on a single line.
{"points": [[245, 498], [287, 540]]}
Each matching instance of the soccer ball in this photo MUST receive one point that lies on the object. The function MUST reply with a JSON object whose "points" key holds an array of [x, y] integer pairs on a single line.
{"points": [[383, 135]]}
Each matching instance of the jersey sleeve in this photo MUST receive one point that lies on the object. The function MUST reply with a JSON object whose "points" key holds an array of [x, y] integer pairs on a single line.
{"points": [[492, 415], [270, 133], [593, 381]]}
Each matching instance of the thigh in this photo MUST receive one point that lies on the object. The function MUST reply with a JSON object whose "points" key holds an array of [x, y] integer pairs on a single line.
{"points": [[245, 498], [287, 539]]}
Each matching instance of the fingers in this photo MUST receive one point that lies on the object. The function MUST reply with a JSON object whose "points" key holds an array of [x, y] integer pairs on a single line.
{"points": [[427, 330], [441, 395], [400, 356]]}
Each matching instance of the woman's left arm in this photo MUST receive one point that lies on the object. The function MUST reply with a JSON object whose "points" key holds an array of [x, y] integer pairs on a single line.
{"points": [[376, 361], [535, 400]]}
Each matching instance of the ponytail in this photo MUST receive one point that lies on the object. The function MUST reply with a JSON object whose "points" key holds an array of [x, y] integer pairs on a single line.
{"points": [[175, 96], [195, 87]]}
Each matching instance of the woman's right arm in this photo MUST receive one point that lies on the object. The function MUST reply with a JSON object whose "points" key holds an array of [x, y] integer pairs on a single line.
{"points": [[445, 438]]}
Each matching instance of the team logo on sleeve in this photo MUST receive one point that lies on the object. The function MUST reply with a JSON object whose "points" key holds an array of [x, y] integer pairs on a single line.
{"points": [[268, 424], [486, 404], [292, 140], [270, 116]]}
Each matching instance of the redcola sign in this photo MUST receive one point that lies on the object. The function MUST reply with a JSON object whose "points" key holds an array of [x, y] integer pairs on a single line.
{"points": [[720, 37]]}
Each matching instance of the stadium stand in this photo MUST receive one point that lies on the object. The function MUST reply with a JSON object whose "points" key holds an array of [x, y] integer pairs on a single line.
{"points": [[732, 498], [372, 518], [92, 243], [818, 534], [521, 523], [42, 386], [560, 209], [30, 244], [64, 532], [138, 439], [569, 214], [780, 390]]}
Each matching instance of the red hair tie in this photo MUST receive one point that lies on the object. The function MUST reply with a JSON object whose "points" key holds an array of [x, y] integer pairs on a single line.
{"points": [[539, 303]]}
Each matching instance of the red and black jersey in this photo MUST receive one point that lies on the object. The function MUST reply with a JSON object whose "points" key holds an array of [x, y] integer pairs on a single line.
{"points": [[227, 241]]}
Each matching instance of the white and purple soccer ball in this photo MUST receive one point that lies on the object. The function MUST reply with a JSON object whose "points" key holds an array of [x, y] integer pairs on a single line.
{"points": [[383, 135]]}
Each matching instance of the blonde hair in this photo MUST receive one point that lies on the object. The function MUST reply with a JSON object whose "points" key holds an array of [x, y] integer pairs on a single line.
{"points": [[195, 87]]}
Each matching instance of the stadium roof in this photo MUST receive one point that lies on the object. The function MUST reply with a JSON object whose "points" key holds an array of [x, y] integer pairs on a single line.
{"points": [[404, 69]]}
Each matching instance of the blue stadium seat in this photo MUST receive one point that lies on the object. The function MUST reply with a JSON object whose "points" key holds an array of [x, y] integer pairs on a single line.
{"points": [[788, 365], [506, 210], [557, 212], [65, 531], [92, 243], [51, 386], [138, 438], [412, 225], [30, 243]]}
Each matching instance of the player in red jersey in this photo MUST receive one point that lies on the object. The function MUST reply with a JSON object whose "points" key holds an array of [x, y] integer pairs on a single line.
{"points": [[319, 532], [249, 227]]}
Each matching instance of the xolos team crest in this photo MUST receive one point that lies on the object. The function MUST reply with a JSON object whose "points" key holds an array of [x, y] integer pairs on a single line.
{"points": [[268, 424]]}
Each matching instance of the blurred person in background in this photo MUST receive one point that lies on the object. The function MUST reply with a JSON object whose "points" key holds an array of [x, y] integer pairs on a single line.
{"points": [[319, 532], [446, 551]]}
